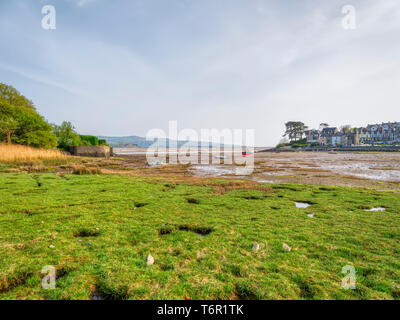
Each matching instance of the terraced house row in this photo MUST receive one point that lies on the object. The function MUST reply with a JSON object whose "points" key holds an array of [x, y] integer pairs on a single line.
{"points": [[371, 134]]}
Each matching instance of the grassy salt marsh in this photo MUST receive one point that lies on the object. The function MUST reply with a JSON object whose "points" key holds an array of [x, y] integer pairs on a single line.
{"points": [[103, 227]]}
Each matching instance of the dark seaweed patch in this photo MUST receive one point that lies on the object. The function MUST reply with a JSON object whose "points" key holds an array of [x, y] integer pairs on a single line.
{"points": [[193, 201], [84, 233], [196, 229], [140, 204]]}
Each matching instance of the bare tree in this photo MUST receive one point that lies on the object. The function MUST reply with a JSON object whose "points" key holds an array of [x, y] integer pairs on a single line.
{"points": [[346, 128]]}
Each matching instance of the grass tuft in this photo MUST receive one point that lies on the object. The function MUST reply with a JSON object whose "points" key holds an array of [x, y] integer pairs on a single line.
{"points": [[110, 291], [83, 170], [166, 230], [19, 279], [246, 291]]}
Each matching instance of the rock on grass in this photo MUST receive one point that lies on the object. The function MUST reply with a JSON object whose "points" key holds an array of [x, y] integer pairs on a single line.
{"points": [[150, 260]]}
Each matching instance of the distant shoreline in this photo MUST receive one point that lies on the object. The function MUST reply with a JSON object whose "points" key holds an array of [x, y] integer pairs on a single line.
{"points": [[138, 150]]}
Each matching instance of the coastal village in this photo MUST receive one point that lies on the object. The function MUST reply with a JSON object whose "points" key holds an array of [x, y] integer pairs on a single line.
{"points": [[373, 134]]}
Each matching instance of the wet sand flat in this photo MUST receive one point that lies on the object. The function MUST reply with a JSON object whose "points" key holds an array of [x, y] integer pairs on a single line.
{"points": [[377, 170]]}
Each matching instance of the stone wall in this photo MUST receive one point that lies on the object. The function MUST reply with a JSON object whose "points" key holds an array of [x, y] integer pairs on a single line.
{"points": [[91, 151]]}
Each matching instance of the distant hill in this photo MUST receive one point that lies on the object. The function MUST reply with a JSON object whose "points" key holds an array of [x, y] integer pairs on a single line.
{"points": [[136, 141]]}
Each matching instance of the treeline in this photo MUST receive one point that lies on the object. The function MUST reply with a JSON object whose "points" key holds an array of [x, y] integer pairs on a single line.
{"points": [[67, 137], [20, 123]]}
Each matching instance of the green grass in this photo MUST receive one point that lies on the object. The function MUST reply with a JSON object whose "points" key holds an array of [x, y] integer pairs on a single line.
{"points": [[201, 240]]}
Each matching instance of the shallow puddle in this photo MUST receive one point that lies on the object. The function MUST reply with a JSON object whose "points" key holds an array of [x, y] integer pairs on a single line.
{"points": [[375, 209], [157, 163], [265, 181], [212, 170], [302, 205], [97, 296]]}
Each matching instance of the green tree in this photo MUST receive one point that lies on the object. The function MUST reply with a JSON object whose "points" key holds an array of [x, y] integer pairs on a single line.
{"points": [[13, 97], [66, 135], [20, 122], [33, 130], [102, 142], [295, 130], [89, 140]]}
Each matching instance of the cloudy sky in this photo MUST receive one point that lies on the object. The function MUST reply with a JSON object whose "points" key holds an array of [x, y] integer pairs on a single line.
{"points": [[123, 67]]}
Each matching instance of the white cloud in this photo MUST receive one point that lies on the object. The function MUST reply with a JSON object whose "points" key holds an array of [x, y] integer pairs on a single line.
{"points": [[81, 3]]}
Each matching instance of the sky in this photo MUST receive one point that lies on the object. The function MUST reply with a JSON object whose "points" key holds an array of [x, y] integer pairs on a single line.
{"points": [[124, 67]]}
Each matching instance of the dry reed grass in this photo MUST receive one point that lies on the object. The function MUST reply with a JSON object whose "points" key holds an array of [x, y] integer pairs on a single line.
{"points": [[82, 170], [18, 153], [34, 168]]}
